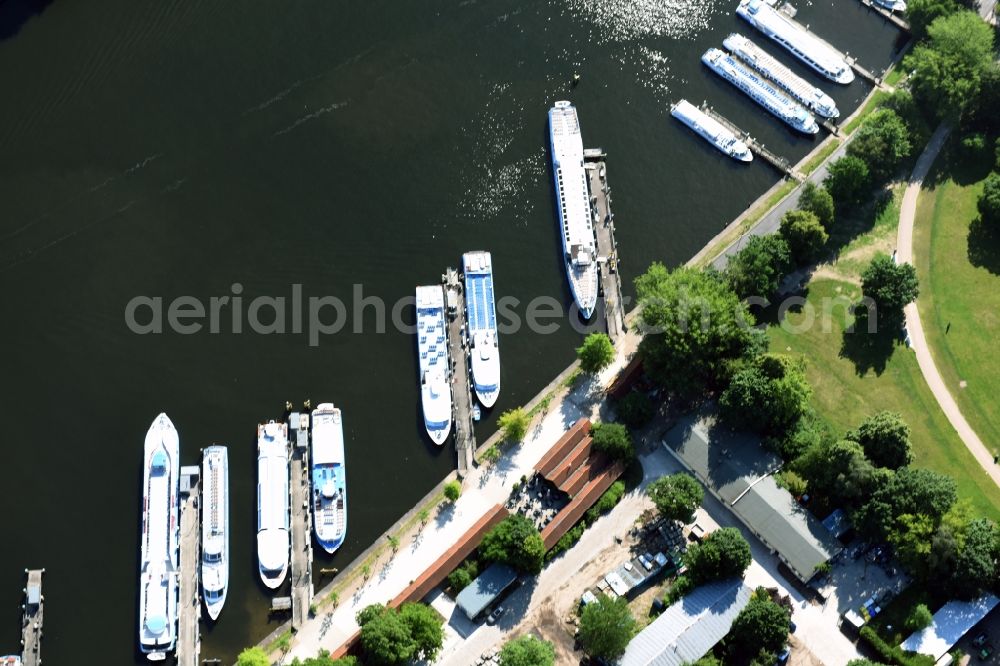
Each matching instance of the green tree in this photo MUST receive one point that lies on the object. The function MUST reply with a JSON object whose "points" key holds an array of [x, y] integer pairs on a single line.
{"points": [[614, 440], [901, 101], [919, 617], [948, 68], [695, 326], [883, 142], [635, 409], [723, 554], [527, 650], [804, 234], [452, 490], [864, 662], [794, 483], [975, 568], [253, 656], [891, 285], [464, 574], [514, 541], [913, 491], [676, 496], [989, 200], [816, 200], [759, 268], [596, 353], [425, 627], [911, 537], [761, 625], [839, 470], [514, 424], [848, 181], [324, 659], [606, 627], [768, 395], [922, 13], [885, 438], [385, 636]]}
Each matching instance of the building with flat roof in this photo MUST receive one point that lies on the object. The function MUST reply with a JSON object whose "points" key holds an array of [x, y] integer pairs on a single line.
{"points": [[738, 471], [950, 623], [485, 589], [685, 631]]}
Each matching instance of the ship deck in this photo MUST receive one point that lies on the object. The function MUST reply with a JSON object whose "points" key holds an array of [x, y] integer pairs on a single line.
{"points": [[776, 70]]}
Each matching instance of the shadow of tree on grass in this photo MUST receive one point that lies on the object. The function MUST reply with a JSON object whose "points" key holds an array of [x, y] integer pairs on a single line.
{"points": [[870, 342], [984, 246]]}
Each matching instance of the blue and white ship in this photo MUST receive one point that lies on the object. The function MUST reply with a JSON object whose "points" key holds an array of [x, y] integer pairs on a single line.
{"points": [[762, 61], [482, 326], [273, 503], [214, 529], [160, 549], [435, 373], [711, 130], [760, 91], [797, 39], [329, 477], [573, 199]]}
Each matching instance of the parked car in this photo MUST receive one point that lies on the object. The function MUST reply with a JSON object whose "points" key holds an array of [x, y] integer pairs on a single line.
{"points": [[783, 657], [979, 641], [495, 616], [791, 627]]}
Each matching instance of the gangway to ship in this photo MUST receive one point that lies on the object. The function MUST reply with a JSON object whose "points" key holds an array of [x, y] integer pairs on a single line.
{"points": [[607, 248], [775, 160]]}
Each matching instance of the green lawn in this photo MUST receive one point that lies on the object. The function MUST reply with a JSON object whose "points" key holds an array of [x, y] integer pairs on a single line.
{"points": [[850, 382], [957, 292]]}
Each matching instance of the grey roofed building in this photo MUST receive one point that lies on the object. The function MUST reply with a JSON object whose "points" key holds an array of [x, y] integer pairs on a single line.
{"points": [[738, 470], [485, 589], [691, 627]]}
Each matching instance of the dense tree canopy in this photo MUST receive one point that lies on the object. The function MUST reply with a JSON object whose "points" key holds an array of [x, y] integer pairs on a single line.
{"points": [[913, 491], [614, 440], [324, 659], [385, 637], [596, 353], [948, 68], [606, 627], [723, 554], [922, 13], [817, 201], [676, 496], [254, 656], [883, 142], [975, 568], [768, 395], [514, 541], [891, 285], [761, 625], [839, 470], [695, 326], [527, 651], [804, 234], [885, 438], [635, 409], [848, 181], [989, 200], [758, 269]]}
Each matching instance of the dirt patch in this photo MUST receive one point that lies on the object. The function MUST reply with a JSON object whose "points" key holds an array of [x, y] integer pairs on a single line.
{"points": [[830, 272], [800, 654], [547, 624]]}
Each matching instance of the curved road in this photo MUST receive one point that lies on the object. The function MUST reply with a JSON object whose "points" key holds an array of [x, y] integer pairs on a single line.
{"points": [[904, 248]]}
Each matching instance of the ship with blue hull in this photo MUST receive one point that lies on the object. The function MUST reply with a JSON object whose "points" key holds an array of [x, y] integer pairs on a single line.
{"points": [[329, 478], [573, 203], [433, 363], [797, 39], [159, 572], [757, 58], [760, 91], [481, 326], [215, 529]]}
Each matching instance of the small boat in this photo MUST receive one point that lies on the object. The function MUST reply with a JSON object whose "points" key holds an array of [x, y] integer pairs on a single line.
{"points": [[892, 5], [435, 373], [711, 130], [481, 326], [273, 504], [329, 483], [159, 553], [215, 529]]}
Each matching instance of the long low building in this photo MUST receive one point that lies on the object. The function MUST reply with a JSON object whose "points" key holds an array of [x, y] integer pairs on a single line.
{"points": [[739, 472], [685, 631], [952, 621]]}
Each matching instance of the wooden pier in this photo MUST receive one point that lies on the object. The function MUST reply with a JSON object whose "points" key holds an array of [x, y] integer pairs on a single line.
{"points": [[31, 619], [302, 554], [775, 160], [890, 16], [458, 350], [189, 611], [607, 247]]}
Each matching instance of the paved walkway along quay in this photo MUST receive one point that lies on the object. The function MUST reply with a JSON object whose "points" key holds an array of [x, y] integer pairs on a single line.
{"points": [[302, 555], [607, 246], [188, 637], [31, 620], [918, 341], [458, 349]]}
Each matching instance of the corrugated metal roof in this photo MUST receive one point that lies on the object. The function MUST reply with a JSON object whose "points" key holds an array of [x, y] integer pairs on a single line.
{"points": [[691, 627], [951, 622], [483, 591]]}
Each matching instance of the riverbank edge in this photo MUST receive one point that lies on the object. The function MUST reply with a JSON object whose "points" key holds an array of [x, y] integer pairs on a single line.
{"points": [[564, 380]]}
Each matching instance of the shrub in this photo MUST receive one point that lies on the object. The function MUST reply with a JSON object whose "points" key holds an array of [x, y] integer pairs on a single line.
{"points": [[613, 440], [464, 574], [989, 200], [514, 424], [635, 409], [919, 617], [514, 541], [452, 490], [596, 353]]}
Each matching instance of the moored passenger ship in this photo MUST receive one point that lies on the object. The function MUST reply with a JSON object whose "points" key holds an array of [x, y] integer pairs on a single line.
{"points": [[273, 504], [215, 529]]}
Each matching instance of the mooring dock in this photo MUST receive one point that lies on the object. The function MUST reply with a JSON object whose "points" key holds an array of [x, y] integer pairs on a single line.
{"points": [[31, 619], [607, 247], [302, 554], [458, 350], [189, 606], [775, 160], [890, 16]]}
